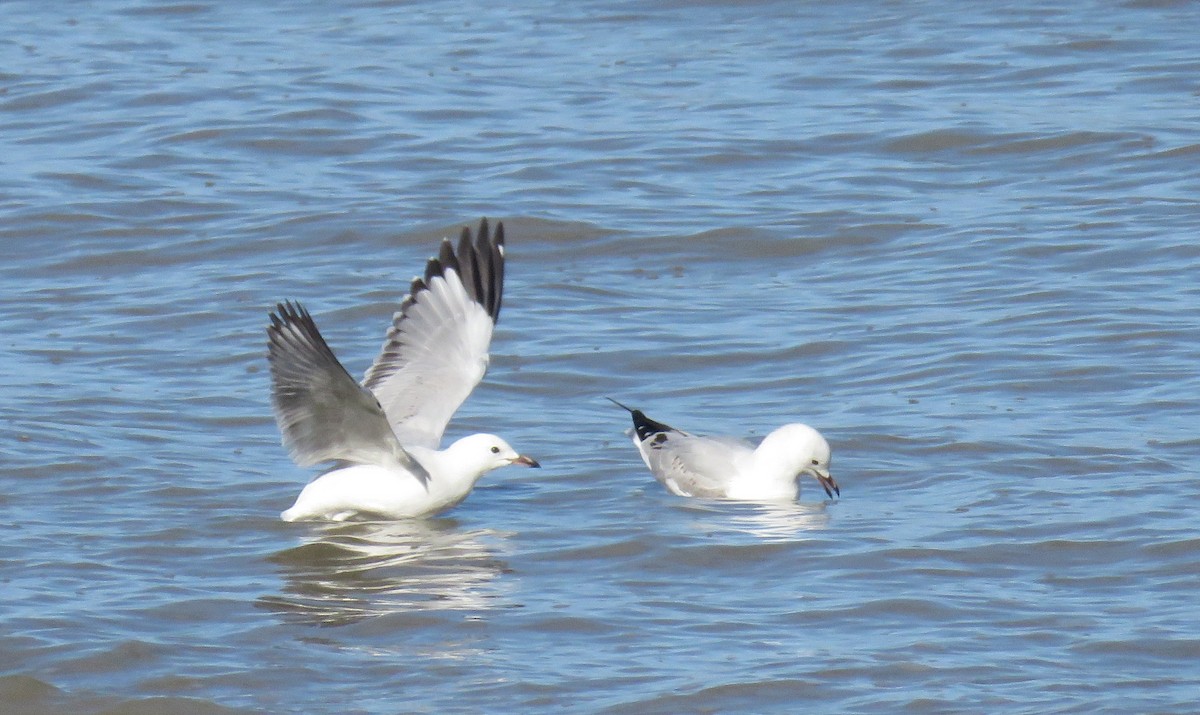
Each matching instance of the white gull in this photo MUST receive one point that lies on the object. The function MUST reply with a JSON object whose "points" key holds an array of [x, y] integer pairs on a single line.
{"points": [[383, 436], [729, 468]]}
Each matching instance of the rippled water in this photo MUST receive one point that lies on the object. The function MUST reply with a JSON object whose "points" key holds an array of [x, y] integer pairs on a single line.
{"points": [[960, 240]]}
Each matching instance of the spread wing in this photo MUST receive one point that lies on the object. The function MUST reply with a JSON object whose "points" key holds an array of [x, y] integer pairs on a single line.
{"points": [[323, 414], [436, 351]]}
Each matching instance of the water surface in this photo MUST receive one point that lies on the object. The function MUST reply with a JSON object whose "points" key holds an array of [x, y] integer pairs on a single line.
{"points": [[960, 241]]}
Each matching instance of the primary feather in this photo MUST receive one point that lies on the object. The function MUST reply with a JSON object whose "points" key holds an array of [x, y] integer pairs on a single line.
{"points": [[382, 436]]}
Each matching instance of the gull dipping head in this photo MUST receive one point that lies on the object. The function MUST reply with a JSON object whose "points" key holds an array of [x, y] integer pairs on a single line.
{"points": [[732, 468], [804, 449]]}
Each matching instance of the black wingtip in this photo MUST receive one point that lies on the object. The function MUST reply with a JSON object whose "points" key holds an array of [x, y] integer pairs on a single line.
{"points": [[489, 250], [477, 258], [293, 331], [479, 262], [628, 409], [446, 256], [288, 312], [643, 425]]}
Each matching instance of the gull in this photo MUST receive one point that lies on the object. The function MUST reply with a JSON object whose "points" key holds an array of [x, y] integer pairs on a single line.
{"points": [[382, 436], [729, 468]]}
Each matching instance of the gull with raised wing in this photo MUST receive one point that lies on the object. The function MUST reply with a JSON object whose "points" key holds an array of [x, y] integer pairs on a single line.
{"points": [[730, 468], [382, 436]]}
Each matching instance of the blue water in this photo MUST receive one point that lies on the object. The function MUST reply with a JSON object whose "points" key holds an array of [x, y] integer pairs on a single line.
{"points": [[960, 240]]}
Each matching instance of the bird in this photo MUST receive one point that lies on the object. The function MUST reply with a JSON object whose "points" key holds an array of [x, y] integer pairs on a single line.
{"points": [[730, 468], [382, 436]]}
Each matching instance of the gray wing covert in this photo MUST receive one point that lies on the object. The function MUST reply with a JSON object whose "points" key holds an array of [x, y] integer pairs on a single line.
{"points": [[322, 413], [436, 350], [694, 466]]}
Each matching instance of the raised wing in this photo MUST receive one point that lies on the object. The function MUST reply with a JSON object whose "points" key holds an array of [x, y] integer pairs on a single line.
{"points": [[436, 351], [323, 414]]}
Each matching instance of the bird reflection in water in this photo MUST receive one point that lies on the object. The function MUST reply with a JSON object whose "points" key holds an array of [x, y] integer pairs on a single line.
{"points": [[769, 521], [346, 572]]}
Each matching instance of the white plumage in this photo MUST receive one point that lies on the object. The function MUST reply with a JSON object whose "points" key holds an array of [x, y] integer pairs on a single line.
{"points": [[383, 435], [730, 468]]}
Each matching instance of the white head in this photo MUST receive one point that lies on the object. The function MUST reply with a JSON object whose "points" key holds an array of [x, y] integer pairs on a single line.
{"points": [[797, 449], [481, 453]]}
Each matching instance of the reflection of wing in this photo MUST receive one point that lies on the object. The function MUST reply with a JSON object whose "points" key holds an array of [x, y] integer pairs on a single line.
{"points": [[351, 571], [436, 351], [695, 466], [323, 414]]}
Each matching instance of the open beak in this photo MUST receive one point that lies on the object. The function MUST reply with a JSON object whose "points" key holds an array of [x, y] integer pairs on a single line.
{"points": [[826, 480], [528, 461]]}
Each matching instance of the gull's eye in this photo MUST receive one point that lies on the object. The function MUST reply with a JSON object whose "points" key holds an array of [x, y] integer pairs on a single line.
{"points": [[495, 450], [816, 462]]}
